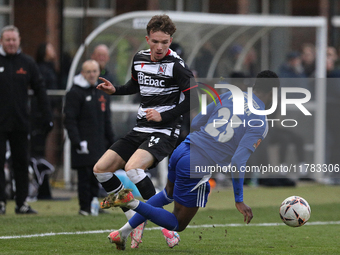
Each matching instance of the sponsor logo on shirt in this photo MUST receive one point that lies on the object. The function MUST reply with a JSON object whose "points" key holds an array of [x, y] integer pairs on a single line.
{"points": [[147, 80], [21, 71]]}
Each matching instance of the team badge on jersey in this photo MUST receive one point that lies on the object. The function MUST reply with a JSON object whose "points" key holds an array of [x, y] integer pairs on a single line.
{"points": [[255, 145], [161, 69], [21, 71], [102, 101]]}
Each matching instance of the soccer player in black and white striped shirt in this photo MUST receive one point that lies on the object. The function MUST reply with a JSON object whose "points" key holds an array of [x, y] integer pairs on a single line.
{"points": [[163, 81]]}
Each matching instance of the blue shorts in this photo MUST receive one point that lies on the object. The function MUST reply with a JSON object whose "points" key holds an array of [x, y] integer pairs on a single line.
{"points": [[188, 191]]}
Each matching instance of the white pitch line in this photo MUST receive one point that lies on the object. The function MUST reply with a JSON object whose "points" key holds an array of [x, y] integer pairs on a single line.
{"points": [[156, 228]]}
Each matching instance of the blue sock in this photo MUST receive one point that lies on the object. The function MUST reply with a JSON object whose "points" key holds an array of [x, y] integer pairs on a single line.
{"points": [[158, 200], [157, 215]]}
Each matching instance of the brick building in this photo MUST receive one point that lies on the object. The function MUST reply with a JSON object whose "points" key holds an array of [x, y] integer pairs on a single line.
{"points": [[65, 23]]}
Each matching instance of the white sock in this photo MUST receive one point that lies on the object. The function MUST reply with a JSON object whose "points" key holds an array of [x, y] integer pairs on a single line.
{"points": [[133, 204], [136, 175], [129, 214], [126, 229]]}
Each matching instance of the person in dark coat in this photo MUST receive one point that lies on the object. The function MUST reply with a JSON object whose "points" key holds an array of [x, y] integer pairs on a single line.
{"points": [[18, 73], [45, 57], [88, 123], [40, 142]]}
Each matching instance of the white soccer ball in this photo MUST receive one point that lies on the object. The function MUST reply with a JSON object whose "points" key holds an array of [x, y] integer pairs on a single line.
{"points": [[295, 211]]}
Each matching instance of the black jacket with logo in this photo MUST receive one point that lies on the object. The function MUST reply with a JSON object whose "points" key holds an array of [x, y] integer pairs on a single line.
{"points": [[87, 118], [18, 73]]}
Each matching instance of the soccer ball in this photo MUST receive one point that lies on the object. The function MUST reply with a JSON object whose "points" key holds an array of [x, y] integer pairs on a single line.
{"points": [[295, 211]]}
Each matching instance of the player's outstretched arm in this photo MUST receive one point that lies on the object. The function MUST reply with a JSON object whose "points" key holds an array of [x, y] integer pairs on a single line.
{"points": [[245, 210], [106, 86]]}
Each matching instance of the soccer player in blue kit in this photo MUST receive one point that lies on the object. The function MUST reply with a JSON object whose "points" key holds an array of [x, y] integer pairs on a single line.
{"points": [[214, 142]]}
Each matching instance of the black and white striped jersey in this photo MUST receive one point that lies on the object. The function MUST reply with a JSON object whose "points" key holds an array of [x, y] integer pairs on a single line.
{"points": [[160, 85]]}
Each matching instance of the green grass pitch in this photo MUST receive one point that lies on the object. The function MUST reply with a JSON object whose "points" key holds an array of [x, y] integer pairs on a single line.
{"points": [[216, 229]]}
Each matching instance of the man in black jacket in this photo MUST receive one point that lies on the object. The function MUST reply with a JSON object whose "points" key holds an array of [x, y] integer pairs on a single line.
{"points": [[18, 73], [88, 123]]}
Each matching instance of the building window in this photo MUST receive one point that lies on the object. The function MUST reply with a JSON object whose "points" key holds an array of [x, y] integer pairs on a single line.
{"points": [[184, 5], [6, 12], [81, 18]]}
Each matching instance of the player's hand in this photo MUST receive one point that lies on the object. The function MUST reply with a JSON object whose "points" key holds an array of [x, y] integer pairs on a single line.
{"points": [[153, 115], [106, 86], [245, 210]]}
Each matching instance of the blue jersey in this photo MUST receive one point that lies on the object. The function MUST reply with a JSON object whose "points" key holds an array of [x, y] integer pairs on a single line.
{"points": [[220, 132], [225, 138]]}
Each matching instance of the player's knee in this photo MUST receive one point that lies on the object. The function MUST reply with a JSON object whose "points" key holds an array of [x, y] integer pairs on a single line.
{"points": [[97, 169], [128, 167], [181, 226], [105, 166], [132, 165], [140, 163], [182, 222]]}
